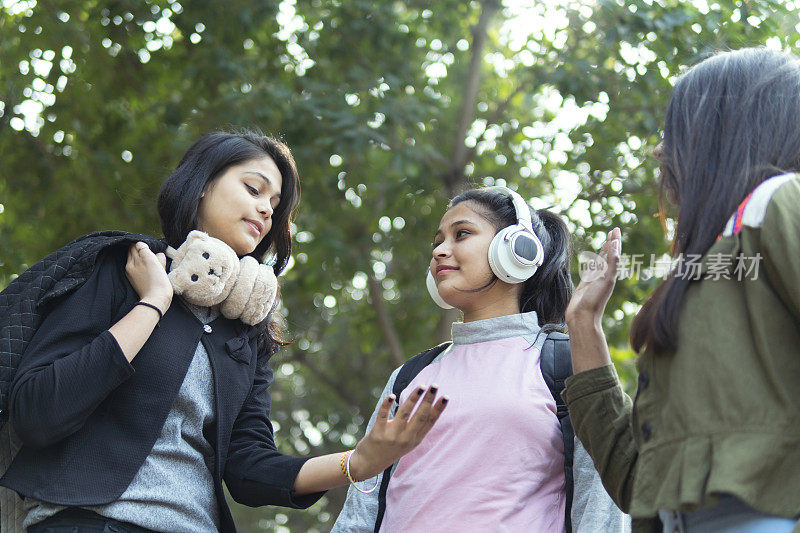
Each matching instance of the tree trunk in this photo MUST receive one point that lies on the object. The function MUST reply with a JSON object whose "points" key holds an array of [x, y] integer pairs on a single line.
{"points": [[454, 178]]}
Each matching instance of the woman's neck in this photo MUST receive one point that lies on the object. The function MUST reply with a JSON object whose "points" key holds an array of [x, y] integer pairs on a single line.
{"points": [[491, 306]]}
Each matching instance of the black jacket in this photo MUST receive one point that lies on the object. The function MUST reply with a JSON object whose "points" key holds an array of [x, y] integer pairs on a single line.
{"points": [[88, 418], [24, 300]]}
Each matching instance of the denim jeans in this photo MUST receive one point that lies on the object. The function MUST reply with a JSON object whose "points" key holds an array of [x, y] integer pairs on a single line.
{"points": [[730, 515]]}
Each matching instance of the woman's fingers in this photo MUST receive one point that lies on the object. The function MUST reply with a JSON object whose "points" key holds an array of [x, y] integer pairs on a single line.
{"points": [[614, 241], [404, 412], [610, 254], [592, 293], [385, 408], [434, 414], [407, 419], [415, 427], [425, 415], [137, 252], [147, 274], [143, 255], [162, 259], [420, 415], [614, 244], [388, 440]]}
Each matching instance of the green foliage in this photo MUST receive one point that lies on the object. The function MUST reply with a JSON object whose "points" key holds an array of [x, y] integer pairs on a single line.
{"points": [[99, 100]]}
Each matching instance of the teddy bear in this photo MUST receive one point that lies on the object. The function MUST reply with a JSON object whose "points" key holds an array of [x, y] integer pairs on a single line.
{"points": [[207, 272]]}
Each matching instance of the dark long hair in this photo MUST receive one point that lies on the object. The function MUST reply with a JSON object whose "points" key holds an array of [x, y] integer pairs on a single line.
{"points": [[548, 291], [733, 121], [205, 161]]}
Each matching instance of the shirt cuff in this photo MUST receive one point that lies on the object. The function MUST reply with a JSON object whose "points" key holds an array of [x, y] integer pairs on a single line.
{"points": [[589, 382], [121, 367]]}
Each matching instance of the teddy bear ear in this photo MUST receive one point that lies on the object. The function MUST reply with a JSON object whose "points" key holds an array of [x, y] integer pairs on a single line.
{"points": [[197, 235], [178, 255]]}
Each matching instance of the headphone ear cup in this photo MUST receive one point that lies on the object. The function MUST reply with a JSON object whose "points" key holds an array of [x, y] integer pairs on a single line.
{"points": [[434, 292], [494, 256], [503, 260]]}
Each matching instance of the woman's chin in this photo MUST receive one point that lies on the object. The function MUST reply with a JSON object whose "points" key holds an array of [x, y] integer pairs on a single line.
{"points": [[242, 248], [451, 297]]}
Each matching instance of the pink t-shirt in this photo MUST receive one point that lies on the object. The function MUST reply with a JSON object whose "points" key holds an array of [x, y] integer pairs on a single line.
{"points": [[495, 459]]}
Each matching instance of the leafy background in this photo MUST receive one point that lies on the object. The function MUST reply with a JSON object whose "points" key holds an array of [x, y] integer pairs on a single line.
{"points": [[391, 108]]}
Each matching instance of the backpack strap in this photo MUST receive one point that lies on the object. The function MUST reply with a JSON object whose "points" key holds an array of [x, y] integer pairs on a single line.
{"points": [[556, 364], [414, 366], [407, 373]]}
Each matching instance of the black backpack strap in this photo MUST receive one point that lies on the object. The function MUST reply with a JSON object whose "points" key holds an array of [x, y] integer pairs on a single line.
{"points": [[556, 364], [414, 366], [407, 373]]}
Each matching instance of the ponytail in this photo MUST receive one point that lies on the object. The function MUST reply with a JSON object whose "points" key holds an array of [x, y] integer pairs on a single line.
{"points": [[548, 291]]}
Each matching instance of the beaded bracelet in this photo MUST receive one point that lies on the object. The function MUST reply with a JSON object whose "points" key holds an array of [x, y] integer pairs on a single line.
{"points": [[341, 462], [350, 477]]}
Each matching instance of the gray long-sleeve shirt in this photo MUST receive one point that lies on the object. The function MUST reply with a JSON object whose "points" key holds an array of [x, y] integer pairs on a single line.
{"points": [[173, 490]]}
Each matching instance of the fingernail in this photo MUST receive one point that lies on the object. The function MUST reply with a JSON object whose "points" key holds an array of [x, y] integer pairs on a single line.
{"points": [[434, 388], [445, 400], [390, 398], [420, 391]]}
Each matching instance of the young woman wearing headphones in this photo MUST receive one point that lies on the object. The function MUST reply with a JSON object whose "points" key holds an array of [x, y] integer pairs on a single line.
{"points": [[495, 461]]}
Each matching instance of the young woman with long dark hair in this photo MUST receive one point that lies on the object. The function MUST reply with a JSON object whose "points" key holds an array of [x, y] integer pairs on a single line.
{"points": [[134, 405], [711, 442], [498, 459]]}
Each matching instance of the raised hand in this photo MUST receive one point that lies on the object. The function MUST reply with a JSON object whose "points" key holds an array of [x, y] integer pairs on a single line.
{"points": [[147, 273], [585, 310], [390, 439], [589, 300]]}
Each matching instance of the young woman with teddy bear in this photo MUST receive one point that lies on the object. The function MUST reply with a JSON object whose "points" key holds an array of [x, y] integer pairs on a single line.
{"points": [[141, 391]]}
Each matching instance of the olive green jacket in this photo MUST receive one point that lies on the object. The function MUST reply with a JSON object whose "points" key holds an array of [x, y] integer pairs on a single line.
{"points": [[722, 413]]}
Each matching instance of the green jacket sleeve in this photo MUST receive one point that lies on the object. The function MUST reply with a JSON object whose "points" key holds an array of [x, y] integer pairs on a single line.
{"points": [[601, 416], [780, 244]]}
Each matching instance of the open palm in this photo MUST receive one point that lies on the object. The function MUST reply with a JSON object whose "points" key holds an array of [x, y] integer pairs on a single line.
{"points": [[597, 281]]}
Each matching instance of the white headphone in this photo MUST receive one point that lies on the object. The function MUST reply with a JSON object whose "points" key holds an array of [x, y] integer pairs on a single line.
{"points": [[515, 253]]}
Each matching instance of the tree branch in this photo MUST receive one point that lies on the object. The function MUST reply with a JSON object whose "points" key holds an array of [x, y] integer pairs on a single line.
{"points": [[385, 321], [500, 109], [453, 177], [600, 193], [335, 386]]}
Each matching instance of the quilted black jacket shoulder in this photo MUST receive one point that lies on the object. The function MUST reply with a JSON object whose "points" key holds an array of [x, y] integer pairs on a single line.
{"points": [[23, 301]]}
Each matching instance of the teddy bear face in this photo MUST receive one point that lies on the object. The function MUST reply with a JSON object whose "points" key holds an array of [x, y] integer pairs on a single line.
{"points": [[204, 269]]}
